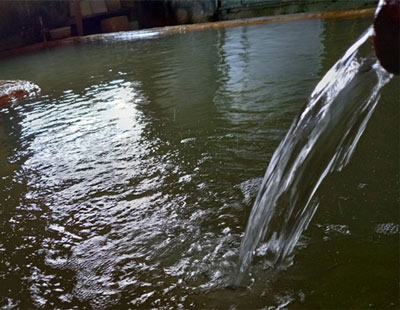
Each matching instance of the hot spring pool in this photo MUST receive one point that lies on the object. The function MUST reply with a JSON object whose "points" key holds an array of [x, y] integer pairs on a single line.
{"points": [[127, 184]]}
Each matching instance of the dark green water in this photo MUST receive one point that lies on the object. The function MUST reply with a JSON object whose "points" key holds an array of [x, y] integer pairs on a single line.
{"points": [[128, 182]]}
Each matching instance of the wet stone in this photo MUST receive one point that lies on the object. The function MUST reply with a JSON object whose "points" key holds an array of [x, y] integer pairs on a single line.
{"points": [[12, 90]]}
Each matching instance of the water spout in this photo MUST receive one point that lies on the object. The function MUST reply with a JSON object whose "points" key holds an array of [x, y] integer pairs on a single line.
{"points": [[321, 139]]}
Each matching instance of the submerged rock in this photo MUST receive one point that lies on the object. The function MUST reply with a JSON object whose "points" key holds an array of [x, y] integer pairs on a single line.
{"points": [[13, 90]]}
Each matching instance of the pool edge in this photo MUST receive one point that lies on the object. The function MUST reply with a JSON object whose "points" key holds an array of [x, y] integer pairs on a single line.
{"points": [[190, 28]]}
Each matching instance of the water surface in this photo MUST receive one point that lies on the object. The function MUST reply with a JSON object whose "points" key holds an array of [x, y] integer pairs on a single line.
{"points": [[129, 181]]}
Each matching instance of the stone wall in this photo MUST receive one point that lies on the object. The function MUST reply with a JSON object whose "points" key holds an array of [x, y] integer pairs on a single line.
{"points": [[187, 11], [233, 9], [20, 19]]}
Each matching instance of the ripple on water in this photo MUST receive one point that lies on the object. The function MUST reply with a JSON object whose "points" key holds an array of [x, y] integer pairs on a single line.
{"points": [[129, 184], [115, 222], [387, 229]]}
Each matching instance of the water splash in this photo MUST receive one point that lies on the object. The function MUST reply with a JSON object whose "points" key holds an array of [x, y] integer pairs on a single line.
{"points": [[321, 139]]}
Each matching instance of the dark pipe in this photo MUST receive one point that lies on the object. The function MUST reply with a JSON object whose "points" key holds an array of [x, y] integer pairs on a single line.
{"points": [[387, 36]]}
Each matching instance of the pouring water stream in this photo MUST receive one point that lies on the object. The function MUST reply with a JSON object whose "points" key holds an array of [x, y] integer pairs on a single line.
{"points": [[321, 140]]}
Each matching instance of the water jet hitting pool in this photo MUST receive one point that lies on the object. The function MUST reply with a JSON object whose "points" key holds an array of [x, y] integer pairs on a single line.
{"points": [[126, 183], [322, 139]]}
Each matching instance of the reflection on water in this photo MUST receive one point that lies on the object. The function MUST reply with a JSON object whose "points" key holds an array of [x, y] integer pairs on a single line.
{"points": [[128, 182]]}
